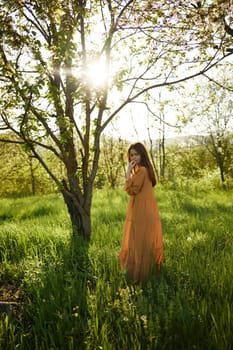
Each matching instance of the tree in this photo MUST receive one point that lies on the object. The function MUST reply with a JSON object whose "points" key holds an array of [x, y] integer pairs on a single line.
{"points": [[52, 99], [21, 173], [14, 172], [160, 118], [187, 159], [218, 144], [112, 160], [208, 107]]}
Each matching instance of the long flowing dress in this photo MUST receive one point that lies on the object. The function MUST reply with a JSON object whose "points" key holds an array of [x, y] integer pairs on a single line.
{"points": [[142, 242]]}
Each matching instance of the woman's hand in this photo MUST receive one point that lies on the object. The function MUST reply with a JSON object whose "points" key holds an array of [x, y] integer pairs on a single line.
{"points": [[131, 165]]}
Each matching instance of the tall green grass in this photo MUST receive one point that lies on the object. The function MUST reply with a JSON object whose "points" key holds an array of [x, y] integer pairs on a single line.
{"points": [[67, 294]]}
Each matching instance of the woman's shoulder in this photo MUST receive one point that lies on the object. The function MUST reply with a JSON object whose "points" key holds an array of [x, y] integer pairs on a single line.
{"points": [[144, 172], [143, 169]]}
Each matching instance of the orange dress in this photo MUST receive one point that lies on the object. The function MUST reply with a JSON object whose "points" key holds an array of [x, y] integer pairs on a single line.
{"points": [[142, 243]]}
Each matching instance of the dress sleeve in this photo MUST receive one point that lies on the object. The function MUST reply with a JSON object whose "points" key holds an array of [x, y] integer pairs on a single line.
{"points": [[134, 185]]}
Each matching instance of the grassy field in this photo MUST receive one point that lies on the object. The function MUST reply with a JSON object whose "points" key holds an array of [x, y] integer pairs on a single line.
{"points": [[61, 293]]}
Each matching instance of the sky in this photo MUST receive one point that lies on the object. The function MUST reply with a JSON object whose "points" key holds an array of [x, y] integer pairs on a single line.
{"points": [[135, 128]]}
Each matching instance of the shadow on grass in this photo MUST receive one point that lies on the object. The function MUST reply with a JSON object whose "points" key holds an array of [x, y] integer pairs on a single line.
{"points": [[55, 311], [201, 211], [5, 217], [30, 213], [39, 212], [164, 315], [204, 210]]}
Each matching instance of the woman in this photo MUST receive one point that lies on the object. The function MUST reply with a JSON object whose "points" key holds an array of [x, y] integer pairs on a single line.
{"points": [[142, 244]]}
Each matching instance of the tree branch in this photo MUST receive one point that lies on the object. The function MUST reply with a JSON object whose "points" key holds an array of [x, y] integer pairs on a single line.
{"points": [[217, 83], [165, 83]]}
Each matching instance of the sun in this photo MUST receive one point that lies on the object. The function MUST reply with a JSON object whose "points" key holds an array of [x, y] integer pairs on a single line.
{"points": [[96, 74]]}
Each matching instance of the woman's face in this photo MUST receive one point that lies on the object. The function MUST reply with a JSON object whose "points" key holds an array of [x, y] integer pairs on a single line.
{"points": [[134, 156]]}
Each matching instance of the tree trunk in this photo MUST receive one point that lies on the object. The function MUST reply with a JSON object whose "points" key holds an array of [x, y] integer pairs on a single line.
{"points": [[221, 168], [162, 146], [162, 157], [222, 176], [33, 185], [80, 217], [218, 155]]}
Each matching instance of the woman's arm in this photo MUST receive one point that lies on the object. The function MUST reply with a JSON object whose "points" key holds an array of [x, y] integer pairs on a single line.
{"points": [[134, 184]]}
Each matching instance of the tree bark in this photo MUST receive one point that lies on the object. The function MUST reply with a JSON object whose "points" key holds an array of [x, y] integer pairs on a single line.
{"points": [[218, 156], [221, 167], [33, 182], [80, 216]]}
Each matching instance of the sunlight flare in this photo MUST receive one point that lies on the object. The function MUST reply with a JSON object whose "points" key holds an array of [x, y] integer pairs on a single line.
{"points": [[96, 74]]}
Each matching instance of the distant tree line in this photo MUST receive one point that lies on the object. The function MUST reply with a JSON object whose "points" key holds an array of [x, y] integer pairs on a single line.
{"points": [[189, 158]]}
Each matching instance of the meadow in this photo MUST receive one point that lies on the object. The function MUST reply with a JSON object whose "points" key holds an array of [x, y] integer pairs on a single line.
{"points": [[59, 292]]}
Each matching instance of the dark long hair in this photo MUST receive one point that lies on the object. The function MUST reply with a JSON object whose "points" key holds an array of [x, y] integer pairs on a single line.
{"points": [[145, 161]]}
